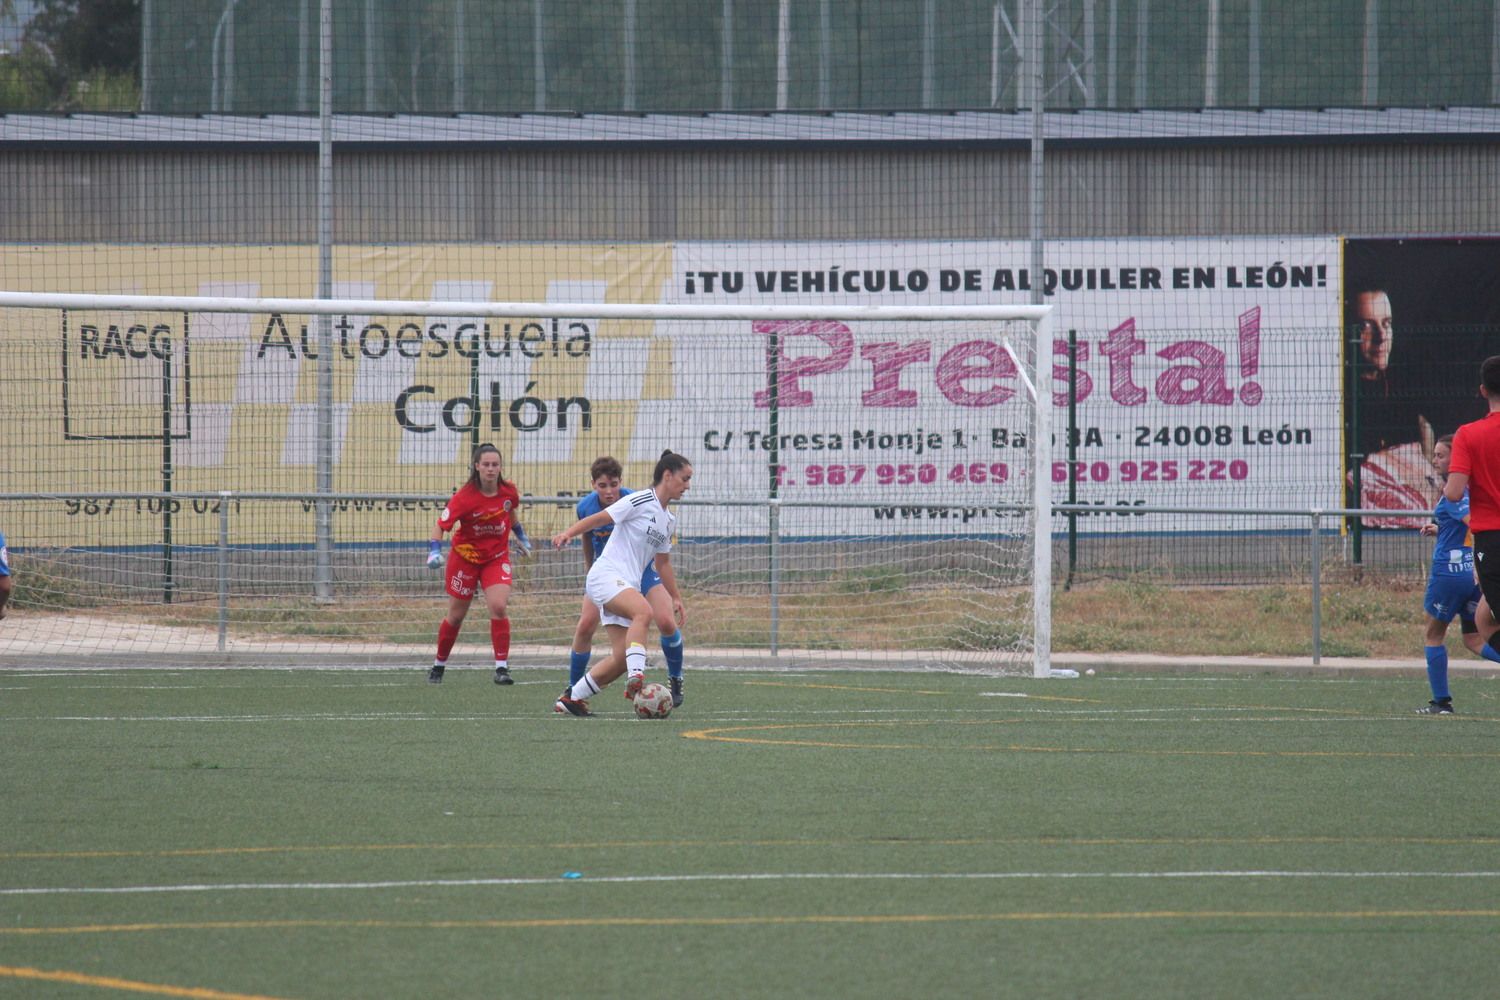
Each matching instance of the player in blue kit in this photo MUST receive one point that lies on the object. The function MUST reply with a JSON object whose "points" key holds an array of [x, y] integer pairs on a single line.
{"points": [[668, 613], [1451, 587], [5, 580]]}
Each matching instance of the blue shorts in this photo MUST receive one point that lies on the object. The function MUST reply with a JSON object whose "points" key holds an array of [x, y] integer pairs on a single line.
{"points": [[1450, 594], [4, 556], [649, 579]]}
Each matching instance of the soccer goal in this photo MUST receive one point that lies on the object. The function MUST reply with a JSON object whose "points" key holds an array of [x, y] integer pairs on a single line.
{"points": [[212, 479]]}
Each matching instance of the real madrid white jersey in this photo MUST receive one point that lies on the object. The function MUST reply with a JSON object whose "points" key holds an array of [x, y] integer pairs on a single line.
{"points": [[643, 528]]}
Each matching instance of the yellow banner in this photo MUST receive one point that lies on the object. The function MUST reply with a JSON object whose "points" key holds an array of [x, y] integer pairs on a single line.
{"points": [[112, 401]]}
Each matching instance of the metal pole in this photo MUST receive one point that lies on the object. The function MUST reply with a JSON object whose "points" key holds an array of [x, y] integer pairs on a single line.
{"points": [[1317, 589], [1090, 56], [147, 29], [1041, 441], [460, 81], [1142, 61], [1254, 55], [369, 55], [825, 32], [1035, 82], [168, 585], [995, 56], [627, 101], [1369, 90], [303, 42], [228, 91], [726, 57], [224, 500], [1211, 58], [929, 41], [538, 58], [323, 543], [1072, 456], [1111, 75], [1495, 55], [775, 548], [783, 41]]}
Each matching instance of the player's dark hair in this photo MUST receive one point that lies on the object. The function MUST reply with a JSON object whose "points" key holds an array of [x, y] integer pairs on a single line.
{"points": [[670, 461], [606, 465], [1489, 374], [474, 463], [1446, 439]]}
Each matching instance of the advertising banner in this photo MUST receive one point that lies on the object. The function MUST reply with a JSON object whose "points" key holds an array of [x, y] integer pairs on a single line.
{"points": [[1207, 374], [1420, 316]]}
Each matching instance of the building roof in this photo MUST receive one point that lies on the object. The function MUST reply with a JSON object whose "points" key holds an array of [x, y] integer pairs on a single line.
{"points": [[1005, 127]]}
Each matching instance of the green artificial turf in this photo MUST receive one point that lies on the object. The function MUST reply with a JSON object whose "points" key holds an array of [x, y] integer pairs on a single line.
{"points": [[317, 834]]}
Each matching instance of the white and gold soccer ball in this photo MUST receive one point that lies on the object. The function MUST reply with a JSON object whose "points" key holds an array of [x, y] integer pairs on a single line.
{"points": [[654, 702]]}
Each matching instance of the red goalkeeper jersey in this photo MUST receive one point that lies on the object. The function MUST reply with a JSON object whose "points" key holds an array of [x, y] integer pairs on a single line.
{"points": [[1476, 451], [484, 522]]}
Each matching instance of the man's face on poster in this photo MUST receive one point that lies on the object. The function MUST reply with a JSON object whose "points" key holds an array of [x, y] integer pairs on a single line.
{"points": [[1371, 316]]}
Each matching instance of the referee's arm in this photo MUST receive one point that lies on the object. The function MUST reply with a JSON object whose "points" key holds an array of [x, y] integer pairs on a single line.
{"points": [[1454, 488]]}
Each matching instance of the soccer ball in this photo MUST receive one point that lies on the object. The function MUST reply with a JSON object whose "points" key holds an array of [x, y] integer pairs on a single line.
{"points": [[654, 702]]}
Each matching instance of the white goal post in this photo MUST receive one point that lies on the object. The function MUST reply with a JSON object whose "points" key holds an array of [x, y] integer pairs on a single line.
{"points": [[839, 450]]}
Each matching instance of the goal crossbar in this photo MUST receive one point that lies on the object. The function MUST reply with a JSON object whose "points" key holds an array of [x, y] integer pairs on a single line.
{"points": [[519, 310]]}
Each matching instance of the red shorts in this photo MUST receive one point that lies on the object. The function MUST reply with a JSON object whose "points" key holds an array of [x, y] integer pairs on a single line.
{"points": [[461, 576]]}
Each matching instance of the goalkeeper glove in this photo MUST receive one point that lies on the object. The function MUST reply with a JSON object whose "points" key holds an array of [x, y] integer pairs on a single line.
{"points": [[434, 555], [519, 534]]}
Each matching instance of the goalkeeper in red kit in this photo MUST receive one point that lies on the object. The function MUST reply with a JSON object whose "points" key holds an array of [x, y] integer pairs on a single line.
{"points": [[1475, 467], [484, 511]]}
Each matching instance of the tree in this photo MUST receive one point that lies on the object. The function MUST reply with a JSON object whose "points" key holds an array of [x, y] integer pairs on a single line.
{"points": [[75, 55]]}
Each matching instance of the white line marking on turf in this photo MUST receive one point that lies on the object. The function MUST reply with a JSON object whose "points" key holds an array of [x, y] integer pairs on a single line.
{"points": [[742, 877]]}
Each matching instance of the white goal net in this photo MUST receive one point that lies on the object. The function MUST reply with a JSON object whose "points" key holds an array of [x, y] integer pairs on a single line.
{"points": [[218, 480]]}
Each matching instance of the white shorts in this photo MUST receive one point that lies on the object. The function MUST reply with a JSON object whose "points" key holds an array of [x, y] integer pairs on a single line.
{"points": [[604, 585]]}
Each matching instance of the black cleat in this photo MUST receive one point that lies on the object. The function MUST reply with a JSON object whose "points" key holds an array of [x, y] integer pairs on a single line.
{"points": [[676, 683], [1444, 707], [502, 676], [435, 675], [570, 706]]}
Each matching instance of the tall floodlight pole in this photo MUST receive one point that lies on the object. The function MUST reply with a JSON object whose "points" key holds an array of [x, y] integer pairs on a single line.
{"points": [[323, 544], [538, 56], [1369, 90], [628, 31], [1035, 80], [147, 29], [1211, 58], [783, 42], [1253, 58], [726, 67], [929, 42]]}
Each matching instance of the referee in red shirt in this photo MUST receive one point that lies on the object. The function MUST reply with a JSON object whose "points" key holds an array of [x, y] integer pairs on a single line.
{"points": [[1475, 467]]}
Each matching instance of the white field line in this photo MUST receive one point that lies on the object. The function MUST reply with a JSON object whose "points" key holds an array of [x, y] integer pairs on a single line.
{"points": [[741, 877]]}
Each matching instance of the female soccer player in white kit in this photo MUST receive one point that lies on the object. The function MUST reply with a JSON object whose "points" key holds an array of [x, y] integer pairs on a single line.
{"points": [[643, 530]]}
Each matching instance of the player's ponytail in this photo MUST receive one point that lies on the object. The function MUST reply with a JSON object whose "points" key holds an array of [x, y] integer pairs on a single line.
{"points": [[670, 461]]}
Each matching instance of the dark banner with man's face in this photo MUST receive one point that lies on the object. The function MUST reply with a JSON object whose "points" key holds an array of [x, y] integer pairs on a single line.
{"points": [[1419, 317]]}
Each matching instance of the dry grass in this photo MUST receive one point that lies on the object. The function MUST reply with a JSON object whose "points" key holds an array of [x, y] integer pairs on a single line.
{"points": [[1359, 618]]}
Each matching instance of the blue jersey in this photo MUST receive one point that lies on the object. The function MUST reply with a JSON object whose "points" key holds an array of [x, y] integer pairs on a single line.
{"points": [[599, 537], [1453, 550], [5, 557], [1451, 589]]}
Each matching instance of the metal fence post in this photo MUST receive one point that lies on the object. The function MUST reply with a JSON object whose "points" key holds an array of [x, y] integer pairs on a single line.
{"points": [[224, 499], [1317, 589], [775, 543]]}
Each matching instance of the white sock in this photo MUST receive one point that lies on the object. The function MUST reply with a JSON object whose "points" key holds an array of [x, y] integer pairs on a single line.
{"points": [[584, 689], [501, 665], [635, 659]]}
